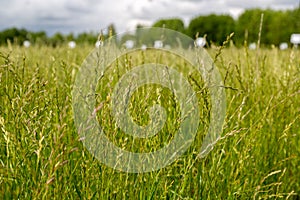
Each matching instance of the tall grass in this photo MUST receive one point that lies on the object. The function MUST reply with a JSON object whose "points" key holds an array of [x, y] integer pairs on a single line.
{"points": [[42, 156]]}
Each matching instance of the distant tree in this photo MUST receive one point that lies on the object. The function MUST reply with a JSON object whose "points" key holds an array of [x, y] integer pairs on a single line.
{"points": [[70, 37], [88, 38], [175, 24], [248, 26], [277, 26], [216, 27], [293, 16], [38, 37], [126, 37], [57, 39], [17, 36]]}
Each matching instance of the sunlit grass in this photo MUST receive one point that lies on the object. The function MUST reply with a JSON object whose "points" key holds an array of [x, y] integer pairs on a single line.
{"points": [[42, 156]]}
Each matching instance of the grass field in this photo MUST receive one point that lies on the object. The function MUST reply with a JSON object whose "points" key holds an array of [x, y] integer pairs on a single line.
{"points": [[257, 157]]}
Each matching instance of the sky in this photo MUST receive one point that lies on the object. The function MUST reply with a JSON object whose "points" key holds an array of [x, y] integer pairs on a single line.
{"points": [[78, 16]]}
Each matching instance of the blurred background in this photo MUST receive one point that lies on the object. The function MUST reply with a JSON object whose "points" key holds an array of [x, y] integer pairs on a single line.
{"points": [[58, 21]]}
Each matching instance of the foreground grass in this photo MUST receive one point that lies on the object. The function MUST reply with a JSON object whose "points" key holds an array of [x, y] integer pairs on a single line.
{"points": [[42, 155]]}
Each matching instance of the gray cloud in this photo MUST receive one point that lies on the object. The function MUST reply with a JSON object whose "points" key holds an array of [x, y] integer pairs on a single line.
{"points": [[264, 4]]}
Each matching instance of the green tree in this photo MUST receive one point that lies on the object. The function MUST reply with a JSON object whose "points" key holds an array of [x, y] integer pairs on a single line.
{"points": [[88, 38], [277, 26], [247, 26], [175, 24], [57, 39], [216, 27], [17, 36], [70, 37], [39, 37]]}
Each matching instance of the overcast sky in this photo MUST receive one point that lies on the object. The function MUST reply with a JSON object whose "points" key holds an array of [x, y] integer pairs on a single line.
{"points": [[93, 15]]}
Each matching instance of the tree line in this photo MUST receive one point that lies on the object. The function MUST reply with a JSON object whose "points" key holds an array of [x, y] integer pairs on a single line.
{"points": [[18, 36], [277, 27]]}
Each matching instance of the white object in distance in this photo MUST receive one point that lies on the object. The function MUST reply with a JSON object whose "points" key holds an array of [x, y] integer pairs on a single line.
{"points": [[72, 44], [98, 44], [144, 47], [295, 39], [26, 44], [252, 46], [129, 44], [200, 42], [158, 44], [283, 46], [167, 46]]}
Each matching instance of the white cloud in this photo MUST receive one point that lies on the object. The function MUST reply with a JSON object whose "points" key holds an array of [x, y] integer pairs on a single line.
{"points": [[85, 15]]}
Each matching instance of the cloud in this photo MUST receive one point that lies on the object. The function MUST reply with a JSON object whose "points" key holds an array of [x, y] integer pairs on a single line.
{"points": [[283, 4], [86, 15]]}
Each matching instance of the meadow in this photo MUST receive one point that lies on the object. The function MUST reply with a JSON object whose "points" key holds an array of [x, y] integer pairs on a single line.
{"points": [[257, 157]]}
